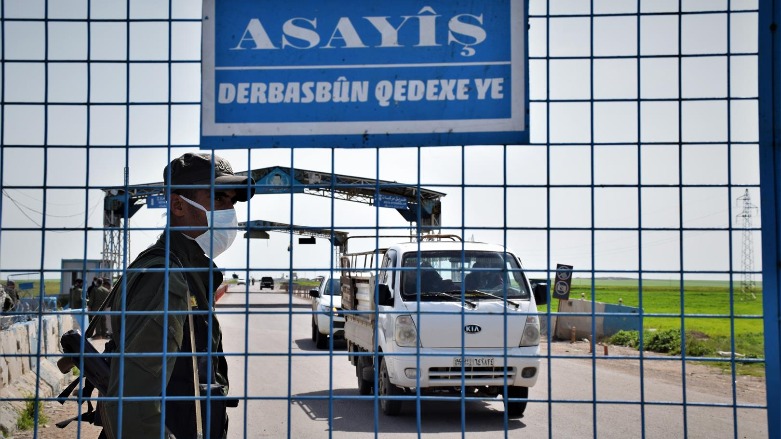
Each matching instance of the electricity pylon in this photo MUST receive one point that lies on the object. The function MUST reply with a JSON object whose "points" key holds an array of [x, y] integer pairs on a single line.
{"points": [[744, 222]]}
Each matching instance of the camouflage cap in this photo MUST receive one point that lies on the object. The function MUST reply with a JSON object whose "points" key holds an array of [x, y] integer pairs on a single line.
{"points": [[196, 169]]}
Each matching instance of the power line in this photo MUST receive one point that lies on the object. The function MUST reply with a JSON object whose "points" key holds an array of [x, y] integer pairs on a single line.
{"points": [[24, 209], [21, 208]]}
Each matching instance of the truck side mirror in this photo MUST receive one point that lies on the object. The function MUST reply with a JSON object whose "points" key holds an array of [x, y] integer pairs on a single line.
{"points": [[314, 294], [541, 293], [385, 298]]}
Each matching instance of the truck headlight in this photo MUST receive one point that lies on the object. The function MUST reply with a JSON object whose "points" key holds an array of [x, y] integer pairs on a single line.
{"points": [[405, 333], [531, 332]]}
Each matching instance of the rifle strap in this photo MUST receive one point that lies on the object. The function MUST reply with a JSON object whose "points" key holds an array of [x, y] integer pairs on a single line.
{"points": [[84, 417], [86, 392], [63, 396], [191, 324], [196, 385]]}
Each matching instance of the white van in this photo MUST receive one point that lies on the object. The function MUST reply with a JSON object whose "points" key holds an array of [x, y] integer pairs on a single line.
{"points": [[327, 312]]}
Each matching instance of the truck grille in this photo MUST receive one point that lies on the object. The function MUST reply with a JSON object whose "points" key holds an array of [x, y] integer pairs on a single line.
{"points": [[479, 374]]}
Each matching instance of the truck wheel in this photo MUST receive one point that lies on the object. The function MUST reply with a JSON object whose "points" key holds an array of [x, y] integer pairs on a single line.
{"points": [[515, 409], [321, 340], [365, 387], [387, 389]]}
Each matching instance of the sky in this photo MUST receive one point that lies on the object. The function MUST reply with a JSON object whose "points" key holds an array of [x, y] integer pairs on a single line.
{"points": [[541, 199]]}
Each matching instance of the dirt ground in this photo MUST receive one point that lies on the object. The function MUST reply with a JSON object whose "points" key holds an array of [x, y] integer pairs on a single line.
{"points": [[55, 412], [699, 377]]}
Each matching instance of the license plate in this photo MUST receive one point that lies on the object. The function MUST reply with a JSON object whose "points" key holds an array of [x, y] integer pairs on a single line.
{"points": [[473, 362]]}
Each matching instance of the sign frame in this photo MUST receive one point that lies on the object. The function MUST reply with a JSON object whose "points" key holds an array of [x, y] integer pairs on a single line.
{"points": [[219, 131], [562, 282], [391, 201], [156, 202]]}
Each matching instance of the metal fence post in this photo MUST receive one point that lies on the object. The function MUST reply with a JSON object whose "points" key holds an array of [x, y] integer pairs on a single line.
{"points": [[770, 187]]}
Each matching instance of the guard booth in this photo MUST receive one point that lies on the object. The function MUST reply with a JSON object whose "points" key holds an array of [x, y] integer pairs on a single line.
{"points": [[73, 269]]}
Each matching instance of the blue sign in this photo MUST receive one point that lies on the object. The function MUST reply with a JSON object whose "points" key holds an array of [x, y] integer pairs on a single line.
{"points": [[26, 285], [156, 202], [362, 73], [391, 201], [278, 182]]}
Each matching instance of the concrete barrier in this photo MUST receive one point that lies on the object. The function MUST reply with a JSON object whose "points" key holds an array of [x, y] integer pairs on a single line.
{"points": [[221, 290], [28, 355], [625, 318]]}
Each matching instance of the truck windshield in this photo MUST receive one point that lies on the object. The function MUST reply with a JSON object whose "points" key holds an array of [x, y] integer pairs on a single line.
{"points": [[448, 272], [333, 288]]}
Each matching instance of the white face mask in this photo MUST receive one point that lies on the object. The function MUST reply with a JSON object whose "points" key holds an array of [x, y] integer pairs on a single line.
{"points": [[221, 233]]}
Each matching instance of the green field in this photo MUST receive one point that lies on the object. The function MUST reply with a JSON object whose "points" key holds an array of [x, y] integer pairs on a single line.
{"points": [[702, 309], [706, 305], [51, 287]]}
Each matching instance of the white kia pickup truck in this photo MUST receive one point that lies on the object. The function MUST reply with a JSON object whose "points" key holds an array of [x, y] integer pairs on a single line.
{"points": [[436, 317]]}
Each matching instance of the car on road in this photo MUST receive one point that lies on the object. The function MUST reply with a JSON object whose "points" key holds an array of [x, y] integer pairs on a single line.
{"points": [[241, 281], [266, 282], [327, 312]]}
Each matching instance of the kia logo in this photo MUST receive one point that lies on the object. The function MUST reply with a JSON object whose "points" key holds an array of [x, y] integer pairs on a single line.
{"points": [[472, 329]]}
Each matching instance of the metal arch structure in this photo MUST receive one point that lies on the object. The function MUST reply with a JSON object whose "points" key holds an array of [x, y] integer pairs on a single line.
{"points": [[256, 230], [416, 204], [404, 197]]}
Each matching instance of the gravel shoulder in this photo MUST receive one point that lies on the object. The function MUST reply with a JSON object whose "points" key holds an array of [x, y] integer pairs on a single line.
{"points": [[700, 377]]}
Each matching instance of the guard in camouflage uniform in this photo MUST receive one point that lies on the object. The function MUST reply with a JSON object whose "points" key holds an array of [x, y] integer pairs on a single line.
{"points": [[206, 225], [11, 296], [64, 300], [96, 298]]}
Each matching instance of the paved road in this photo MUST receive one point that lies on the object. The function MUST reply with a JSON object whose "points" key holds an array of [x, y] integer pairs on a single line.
{"points": [[289, 383]]}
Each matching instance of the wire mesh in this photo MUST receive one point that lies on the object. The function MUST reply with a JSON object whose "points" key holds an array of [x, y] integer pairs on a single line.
{"points": [[642, 172]]}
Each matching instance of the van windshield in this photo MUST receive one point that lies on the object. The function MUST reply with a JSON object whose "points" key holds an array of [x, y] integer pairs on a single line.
{"points": [[479, 274]]}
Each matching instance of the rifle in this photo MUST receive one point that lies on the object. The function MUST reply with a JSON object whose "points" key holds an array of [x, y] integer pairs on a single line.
{"points": [[96, 372]]}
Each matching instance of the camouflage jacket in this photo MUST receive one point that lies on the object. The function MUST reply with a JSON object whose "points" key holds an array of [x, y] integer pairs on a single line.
{"points": [[75, 300], [145, 290], [96, 298]]}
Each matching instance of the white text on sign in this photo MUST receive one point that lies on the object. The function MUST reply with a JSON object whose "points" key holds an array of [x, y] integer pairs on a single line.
{"points": [[303, 33], [385, 92]]}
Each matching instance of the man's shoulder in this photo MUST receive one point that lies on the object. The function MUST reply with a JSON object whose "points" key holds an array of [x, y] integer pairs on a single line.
{"points": [[156, 256]]}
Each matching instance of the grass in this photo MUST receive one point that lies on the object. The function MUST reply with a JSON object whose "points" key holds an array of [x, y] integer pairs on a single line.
{"points": [[26, 419], [701, 309], [706, 305], [51, 287]]}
